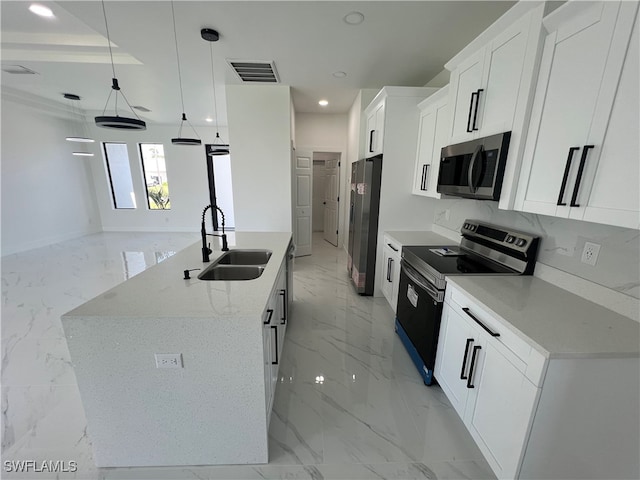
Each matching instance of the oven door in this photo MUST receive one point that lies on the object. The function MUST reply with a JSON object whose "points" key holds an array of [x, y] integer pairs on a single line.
{"points": [[418, 314]]}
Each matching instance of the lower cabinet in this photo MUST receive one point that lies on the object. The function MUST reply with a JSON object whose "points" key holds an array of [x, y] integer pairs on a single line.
{"points": [[275, 318], [391, 270], [485, 382], [533, 416]]}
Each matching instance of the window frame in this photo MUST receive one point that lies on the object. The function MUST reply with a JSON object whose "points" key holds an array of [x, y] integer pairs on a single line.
{"points": [[144, 176], [110, 176]]}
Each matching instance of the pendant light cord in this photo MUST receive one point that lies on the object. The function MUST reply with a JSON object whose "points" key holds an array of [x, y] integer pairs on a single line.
{"points": [[213, 84], [175, 37], [113, 70]]}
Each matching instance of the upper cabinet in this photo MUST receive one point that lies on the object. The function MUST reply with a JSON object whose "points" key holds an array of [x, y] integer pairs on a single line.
{"points": [[432, 136], [375, 130], [491, 86], [581, 157]]}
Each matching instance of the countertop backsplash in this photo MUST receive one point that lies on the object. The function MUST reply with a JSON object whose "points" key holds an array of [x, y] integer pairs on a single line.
{"points": [[618, 265]]}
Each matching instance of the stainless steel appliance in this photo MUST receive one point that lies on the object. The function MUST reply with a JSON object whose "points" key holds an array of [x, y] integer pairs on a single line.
{"points": [[485, 249], [366, 175], [474, 169]]}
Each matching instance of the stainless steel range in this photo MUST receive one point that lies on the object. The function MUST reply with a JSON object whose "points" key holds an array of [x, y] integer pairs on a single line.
{"points": [[485, 249]]}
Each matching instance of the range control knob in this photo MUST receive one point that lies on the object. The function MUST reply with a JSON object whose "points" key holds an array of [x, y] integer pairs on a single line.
{"points": [[472, 227], [466, 225], [521, 242], [510, 239]]}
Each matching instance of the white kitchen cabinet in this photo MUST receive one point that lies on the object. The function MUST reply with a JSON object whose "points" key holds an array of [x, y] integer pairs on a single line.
{"points": [[545, 382], [581, 157], [391, 260], [375, 129], [491, 90], [432, 136], [486, 382], [273, 333]]}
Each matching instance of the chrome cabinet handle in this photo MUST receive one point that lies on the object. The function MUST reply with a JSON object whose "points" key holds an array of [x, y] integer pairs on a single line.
{"points": [[473, 364], [565, 177], [464, 359], [583, 160], [493, 334]]}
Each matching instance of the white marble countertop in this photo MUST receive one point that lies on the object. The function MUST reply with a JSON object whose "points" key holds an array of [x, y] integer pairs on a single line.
{"points": [[418, 238], [553, 321], [161, 291]]}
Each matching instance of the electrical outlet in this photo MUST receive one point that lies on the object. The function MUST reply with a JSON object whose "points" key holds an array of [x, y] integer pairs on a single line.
{"points": [[168, 360], [590, 253]]}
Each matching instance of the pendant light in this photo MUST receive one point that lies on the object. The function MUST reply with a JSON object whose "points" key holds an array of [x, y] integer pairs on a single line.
{"points": [[218, 147], [117, 122], [79, 139], [180, 140]]}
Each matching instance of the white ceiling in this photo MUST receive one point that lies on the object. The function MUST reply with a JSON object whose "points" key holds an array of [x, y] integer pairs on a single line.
{"points": [[399, 43]]}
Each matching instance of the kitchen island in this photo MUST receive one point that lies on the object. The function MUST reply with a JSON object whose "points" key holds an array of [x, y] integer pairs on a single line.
{"points": [[212, 407]]}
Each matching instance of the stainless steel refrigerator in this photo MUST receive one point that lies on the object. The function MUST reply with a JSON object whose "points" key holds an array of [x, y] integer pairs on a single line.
{"points": [[363, 222]]}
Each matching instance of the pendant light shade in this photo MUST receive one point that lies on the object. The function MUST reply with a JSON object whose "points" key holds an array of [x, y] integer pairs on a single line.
{"points": [[180, 140], [116, 121], [218, 147]]}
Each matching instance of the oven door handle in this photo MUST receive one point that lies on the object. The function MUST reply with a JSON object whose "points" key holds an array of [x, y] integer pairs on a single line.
{"points": [[415, 277]]}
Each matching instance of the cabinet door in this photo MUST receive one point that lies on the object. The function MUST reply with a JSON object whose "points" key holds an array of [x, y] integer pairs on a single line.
{"points": [[570, 78], [502, 79], [387, 283], [455, 347], [395, 279], [500, 408], [424, 156], [466, 80], [379, 134], [370, 135], [267, 345], [609, 190]]}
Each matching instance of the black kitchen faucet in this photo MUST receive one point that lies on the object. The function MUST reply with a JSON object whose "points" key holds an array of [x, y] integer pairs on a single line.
{"points": [[203, 232]]}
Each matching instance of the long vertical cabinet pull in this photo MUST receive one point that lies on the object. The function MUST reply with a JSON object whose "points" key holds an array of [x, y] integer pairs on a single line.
{"points": [[371, 141], [469, 127], [423, 184], [473, 364], [389, 260], [565, 177], [283, 293], [475, 112], [275, 362], [464, 359], [576, 187]]}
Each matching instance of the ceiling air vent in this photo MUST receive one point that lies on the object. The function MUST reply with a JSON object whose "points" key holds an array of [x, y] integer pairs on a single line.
{"points": [[18, 70], [251, 71]]}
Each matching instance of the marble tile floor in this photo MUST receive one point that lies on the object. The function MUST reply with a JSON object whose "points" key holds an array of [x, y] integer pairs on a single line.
{"points": [[349, 403]]}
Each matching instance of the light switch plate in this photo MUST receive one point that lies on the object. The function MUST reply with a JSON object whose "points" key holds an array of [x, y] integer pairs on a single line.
{"points": [[168, 360]]}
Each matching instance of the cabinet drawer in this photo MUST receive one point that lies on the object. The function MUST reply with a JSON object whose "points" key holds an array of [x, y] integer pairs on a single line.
{"points": [[526, 359]]}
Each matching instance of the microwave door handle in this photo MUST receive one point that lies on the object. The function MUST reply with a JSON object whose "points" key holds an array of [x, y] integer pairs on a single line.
{"points": [[472, 164]]}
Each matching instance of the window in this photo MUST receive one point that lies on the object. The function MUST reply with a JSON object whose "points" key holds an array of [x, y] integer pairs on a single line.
{"points": [[119, 172], [154, 170]]}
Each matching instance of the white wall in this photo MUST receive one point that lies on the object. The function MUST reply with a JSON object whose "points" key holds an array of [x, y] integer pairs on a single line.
{"points": [[322, 132], [260, 129], [186, 171], [47, 193]]}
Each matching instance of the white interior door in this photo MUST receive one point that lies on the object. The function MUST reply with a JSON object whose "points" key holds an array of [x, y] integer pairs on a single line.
{"points": [[302, 193], [331, 200]]}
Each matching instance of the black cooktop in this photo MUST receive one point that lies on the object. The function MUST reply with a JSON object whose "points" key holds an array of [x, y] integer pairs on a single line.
{"points": [[455, 261]]}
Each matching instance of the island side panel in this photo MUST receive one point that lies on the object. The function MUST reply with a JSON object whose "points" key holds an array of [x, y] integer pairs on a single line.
{"points": [[211, 411]]}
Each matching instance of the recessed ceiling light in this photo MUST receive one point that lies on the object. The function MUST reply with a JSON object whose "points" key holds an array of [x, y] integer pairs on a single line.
{"points": [[209, 119], [339, 74], [323, 103], [83, 154], [40, 10], [353, 18]]}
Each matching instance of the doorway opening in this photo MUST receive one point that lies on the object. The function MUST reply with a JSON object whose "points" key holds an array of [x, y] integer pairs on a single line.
{"points": [[326, 195]]}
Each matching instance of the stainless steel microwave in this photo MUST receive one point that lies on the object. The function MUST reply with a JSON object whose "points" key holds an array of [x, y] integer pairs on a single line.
{"points": [[474, 169]]}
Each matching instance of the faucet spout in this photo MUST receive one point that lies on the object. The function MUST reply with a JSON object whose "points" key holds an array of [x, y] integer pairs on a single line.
{"points": [[206, 250]]}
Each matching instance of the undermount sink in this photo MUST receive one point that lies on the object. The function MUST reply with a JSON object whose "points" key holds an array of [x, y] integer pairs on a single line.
{"points": [[231, 272], [237, 265], [244, 257]]}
